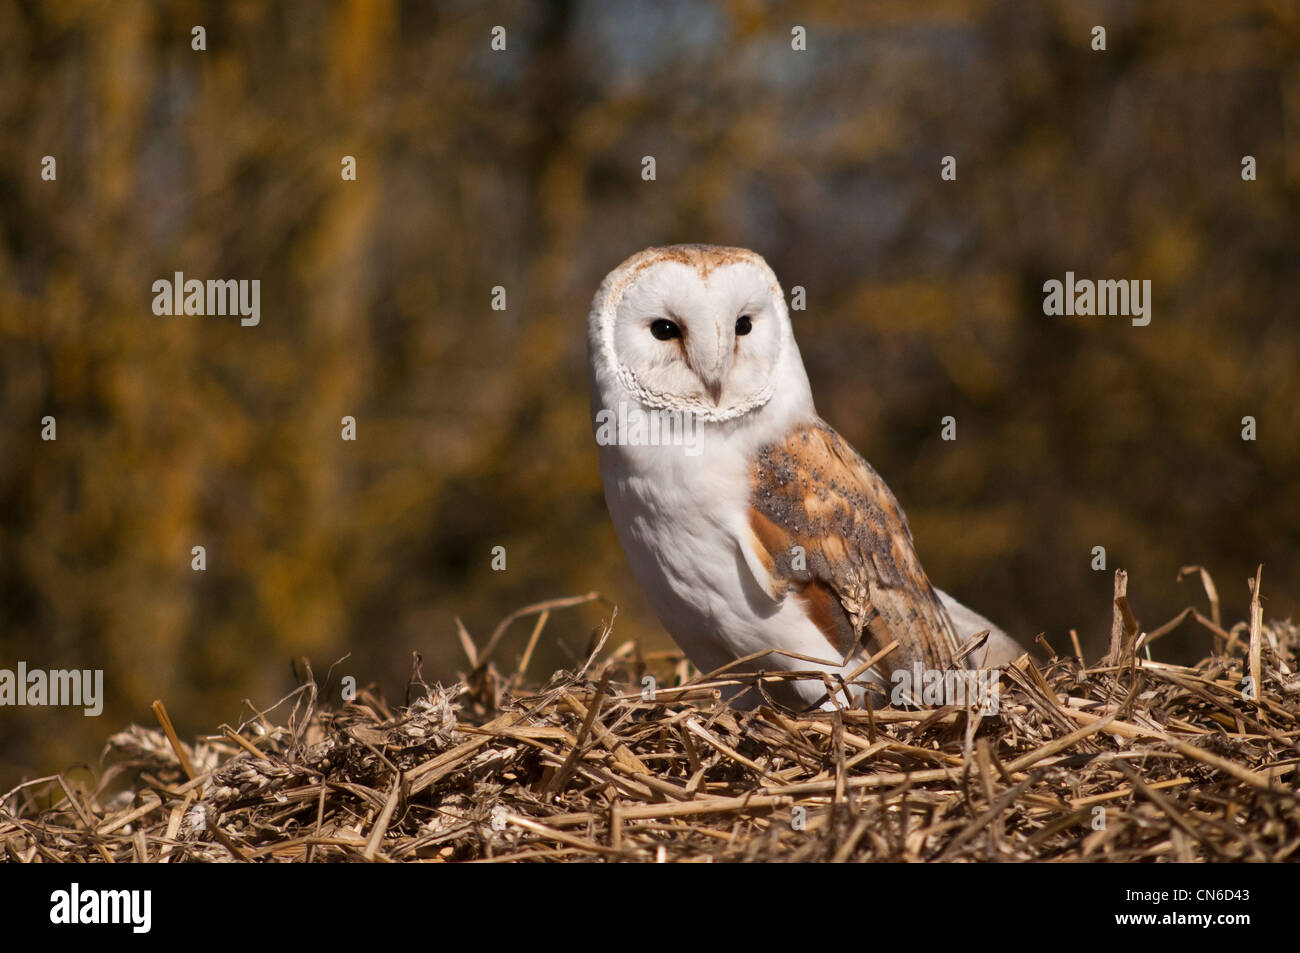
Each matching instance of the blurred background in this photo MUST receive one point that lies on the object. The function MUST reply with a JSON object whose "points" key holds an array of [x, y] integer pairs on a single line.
{"points": [[522, 168]]}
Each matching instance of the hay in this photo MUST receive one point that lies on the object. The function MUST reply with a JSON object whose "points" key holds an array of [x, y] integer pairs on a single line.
{"points": [[1130, 759]]}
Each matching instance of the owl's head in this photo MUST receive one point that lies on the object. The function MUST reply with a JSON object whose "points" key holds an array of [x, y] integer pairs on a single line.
{"points": [[696, 328]]}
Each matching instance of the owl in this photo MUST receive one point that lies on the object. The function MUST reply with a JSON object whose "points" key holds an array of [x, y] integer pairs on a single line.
{"points": [[751, 525]]}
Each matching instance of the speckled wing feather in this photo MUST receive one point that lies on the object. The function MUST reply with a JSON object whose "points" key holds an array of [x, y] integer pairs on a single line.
{"points": [[860, 580]]}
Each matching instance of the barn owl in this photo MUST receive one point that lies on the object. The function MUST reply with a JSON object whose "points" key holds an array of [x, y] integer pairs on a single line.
{"points": [[750, 523]]}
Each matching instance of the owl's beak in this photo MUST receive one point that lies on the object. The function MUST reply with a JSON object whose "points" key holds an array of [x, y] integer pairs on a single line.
{"points": [[713, 376], [711, 360]]}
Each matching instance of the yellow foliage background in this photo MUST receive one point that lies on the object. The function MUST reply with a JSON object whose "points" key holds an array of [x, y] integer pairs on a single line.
{"points": [[522, 169]]}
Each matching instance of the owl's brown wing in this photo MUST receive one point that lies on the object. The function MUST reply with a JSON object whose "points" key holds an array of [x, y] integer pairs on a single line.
{"points": [[856, 572]]}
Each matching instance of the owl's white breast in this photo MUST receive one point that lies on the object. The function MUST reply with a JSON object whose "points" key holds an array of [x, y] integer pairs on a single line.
{"points": [[682, 520]]}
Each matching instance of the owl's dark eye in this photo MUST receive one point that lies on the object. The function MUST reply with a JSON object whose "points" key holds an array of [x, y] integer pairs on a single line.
{"points": [[665, 330], [743, 324]]}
